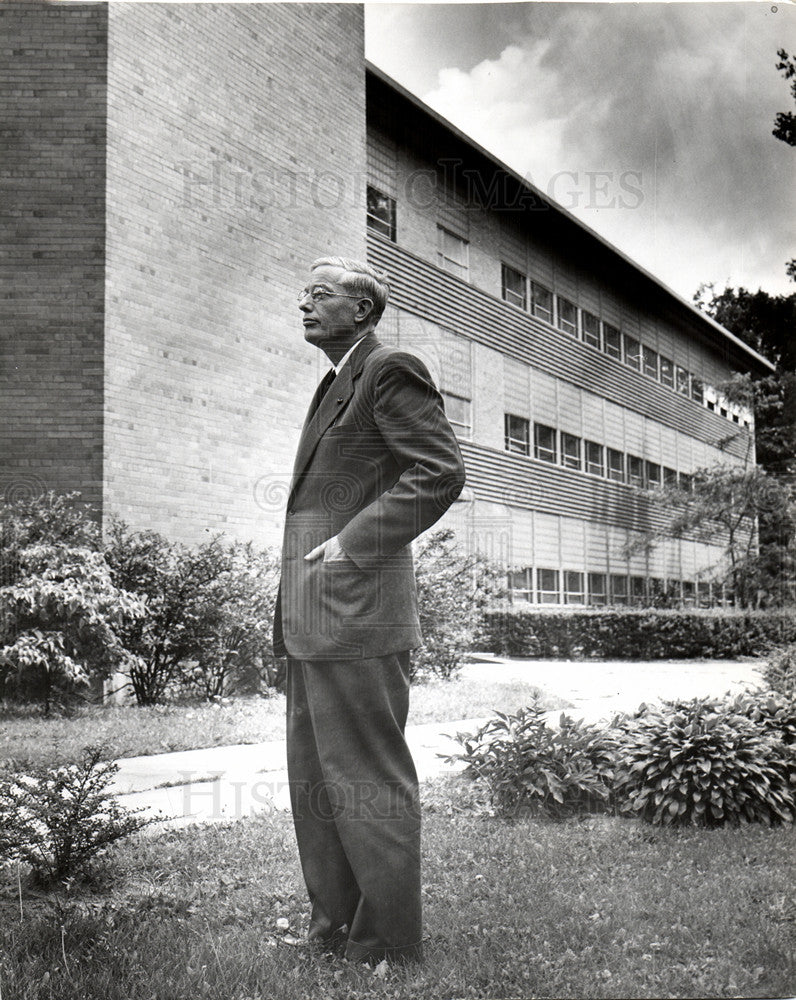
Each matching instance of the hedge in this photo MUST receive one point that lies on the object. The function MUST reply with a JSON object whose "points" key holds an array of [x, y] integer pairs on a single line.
{"points": [[635, 633]]}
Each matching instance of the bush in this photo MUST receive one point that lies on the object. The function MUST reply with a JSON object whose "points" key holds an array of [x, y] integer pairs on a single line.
{"points": [[635, 633], [209, 611], [771, 712], [60, 612], [58, 820], [453, 591], [529, 766], [779, 673], [702, 763]]}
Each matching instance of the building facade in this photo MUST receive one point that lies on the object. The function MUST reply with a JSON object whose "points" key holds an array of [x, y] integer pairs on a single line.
{"points": [[170, 172], [573, 378]]}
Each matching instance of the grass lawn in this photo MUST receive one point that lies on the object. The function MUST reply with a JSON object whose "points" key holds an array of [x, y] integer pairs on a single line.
{"points": [[597, 908], [28, 737]]}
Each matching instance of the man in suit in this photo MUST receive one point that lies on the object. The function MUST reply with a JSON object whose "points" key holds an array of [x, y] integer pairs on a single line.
{"points": [[377, 464]]}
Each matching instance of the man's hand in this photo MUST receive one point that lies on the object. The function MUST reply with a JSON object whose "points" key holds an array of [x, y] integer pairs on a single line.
{"points": [[331, 550]]}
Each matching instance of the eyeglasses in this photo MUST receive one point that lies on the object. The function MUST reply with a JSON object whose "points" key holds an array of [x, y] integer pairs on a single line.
{"points": [[318, 292]]}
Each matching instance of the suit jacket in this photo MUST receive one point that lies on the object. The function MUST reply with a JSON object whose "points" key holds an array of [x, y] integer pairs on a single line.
{"points": [[377, 464]]}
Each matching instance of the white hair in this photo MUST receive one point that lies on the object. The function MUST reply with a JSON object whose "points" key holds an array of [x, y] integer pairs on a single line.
{"points": [[362, 279]]}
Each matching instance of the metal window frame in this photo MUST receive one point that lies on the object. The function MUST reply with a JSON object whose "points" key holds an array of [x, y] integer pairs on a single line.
{"points": [[374, 222], [506, 291], [537, 448]]}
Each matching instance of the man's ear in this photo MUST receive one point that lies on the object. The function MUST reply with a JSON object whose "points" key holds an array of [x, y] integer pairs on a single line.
{"points": [[364, 308]]}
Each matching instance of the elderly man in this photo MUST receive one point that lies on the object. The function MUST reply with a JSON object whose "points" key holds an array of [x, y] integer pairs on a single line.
{"points": [[377, 464]]}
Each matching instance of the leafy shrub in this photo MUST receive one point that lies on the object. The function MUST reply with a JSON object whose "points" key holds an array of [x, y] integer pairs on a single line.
{"points": [[771, 712], [209, 611], [703, 763], [238, 655], [453, 591], [60, 612], [529, 765], [780, 670], [58, 820], [635, 633]]}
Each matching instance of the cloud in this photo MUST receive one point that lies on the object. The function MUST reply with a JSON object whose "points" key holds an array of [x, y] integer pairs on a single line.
{"points": [[677, 99]]}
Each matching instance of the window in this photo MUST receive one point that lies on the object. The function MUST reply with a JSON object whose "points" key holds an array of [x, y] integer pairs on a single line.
{"points": [[597, 589], [514, 285], [635, 471], [632, 352], [573, 588], [612, 341], [703, 594], [711, 405], [457, 410], [669, 476], [638, 590], [381, 213], [594, 458], [544, 443], [518, 435], [723, 411], [649, 361], [653, 474], [689, 593], [681, 380], [697, 389], [570, 451], [735, 418], [667, 372], [453, 253], [656, 589], [541, 302], [547, 585], [686, 481], [521, 584], [567, 316], [591, 328], [616, 465], [618, 589]]}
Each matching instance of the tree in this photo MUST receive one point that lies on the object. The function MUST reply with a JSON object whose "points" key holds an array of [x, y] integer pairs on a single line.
{"points": [[453, 591], [209, 611], [785, 121], [785, 124], [724, 504], [61, 615]]}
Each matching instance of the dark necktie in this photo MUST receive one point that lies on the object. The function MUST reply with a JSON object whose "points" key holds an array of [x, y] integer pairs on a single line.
{"points": [[321, 391]]}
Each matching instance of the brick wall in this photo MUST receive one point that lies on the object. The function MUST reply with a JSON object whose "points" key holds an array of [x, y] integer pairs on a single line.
{"points": [[236, 155], [52, 168]]}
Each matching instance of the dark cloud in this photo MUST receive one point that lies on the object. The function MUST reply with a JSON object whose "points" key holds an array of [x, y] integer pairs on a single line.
{"points": [[683, 94]]}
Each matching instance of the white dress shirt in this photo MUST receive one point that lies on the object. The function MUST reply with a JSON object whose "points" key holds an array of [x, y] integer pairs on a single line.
{"points": [[347, 355]]}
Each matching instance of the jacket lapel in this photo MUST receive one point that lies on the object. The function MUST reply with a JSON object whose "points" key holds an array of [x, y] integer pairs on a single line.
{"points": [[339, 393]]}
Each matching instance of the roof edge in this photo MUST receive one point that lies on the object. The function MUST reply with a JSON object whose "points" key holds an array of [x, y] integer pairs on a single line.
{"points": [[459, 134]]}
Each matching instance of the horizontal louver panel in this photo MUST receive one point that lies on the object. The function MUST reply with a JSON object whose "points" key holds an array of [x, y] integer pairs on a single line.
{"points": [[423, 289]]}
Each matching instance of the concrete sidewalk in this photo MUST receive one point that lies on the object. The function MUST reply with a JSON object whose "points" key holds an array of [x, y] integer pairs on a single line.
{"points": [[225, 783]]}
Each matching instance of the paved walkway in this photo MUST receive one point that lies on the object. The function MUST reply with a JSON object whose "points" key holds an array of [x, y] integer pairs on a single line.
{"points": [[224, 783]]}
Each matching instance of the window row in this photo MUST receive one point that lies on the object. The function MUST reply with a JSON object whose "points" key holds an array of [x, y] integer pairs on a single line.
{"points": [[453, 255], [533, 297], [572, 587], [453, 252], [560, 448]]}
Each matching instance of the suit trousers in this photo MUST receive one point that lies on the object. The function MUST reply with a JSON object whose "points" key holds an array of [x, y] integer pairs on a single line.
{"points": [[356, 810]]}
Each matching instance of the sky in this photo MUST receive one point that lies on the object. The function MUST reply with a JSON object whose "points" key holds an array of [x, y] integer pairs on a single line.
{"points": [[650, 122]]}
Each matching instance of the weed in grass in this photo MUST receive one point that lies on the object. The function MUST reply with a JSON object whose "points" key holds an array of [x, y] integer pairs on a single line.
{"points": [[604, 907]]}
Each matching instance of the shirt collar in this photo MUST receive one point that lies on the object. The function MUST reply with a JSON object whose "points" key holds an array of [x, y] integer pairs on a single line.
{"points": [[347, 355]]}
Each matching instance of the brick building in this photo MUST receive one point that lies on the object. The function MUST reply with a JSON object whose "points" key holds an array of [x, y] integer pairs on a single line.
{"points": [[170, 171]]}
